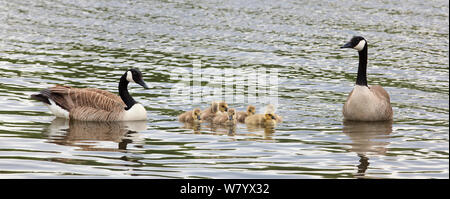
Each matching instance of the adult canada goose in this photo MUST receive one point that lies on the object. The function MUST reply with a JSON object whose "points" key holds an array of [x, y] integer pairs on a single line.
{"points": [[251, 110], [216, 108], [190, 116], [91, 104], [226, 119], [365, 103]]}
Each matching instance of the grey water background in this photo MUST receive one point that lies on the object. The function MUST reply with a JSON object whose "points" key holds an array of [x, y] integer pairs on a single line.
{"points": [[92, 43]]}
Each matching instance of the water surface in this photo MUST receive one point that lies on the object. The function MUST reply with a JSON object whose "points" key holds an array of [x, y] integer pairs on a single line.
{"points": [[92, 43]]}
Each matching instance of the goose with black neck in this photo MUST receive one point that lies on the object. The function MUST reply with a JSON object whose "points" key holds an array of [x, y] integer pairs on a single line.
{"points": [[92, 104], [365, 103]]}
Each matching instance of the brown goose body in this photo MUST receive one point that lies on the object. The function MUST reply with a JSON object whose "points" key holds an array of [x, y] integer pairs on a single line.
{"points": [[91, 104], [368, 103], [365, 103]]}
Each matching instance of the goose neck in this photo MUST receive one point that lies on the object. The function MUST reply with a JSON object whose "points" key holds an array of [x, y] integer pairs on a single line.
{"points": [[361, 79], [123, 92]]}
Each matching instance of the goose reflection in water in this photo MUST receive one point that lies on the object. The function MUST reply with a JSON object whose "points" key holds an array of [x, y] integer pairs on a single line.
{"points": [[83, 134], [363, 136]]}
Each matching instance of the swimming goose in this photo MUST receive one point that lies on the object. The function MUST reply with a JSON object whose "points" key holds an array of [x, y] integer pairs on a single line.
{"points": [[216, 108], [267, 119], [190, 116], [226, 119], [242, 115], [91, 104], [365, 103]]}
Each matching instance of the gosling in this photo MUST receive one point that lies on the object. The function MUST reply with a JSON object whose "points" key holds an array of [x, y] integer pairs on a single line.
{"points": [[251, 110], [226, 119], [266, 119], [190, 116], [216, 108]]}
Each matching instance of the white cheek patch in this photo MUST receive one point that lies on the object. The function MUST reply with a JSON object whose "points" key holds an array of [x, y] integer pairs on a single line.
{"points": [[360, 45], [130, 76]]}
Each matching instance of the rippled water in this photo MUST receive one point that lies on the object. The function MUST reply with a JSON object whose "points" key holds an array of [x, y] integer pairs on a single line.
{"points": [[92, 43]]}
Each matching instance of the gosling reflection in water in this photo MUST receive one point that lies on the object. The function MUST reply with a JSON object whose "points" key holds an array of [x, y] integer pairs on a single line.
{"points": [[363, 136], [254, 130], [192, 125], [221, 129], [79, 133], [231, 130]]}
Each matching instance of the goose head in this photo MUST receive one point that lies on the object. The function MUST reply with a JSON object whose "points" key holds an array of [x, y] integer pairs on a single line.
{"points": [[134, 75], [357, 42]]}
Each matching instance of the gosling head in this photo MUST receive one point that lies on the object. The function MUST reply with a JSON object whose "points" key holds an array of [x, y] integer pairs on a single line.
{"points": [[231, 114], [223, 107], [357, 42], [196, 114], [270, 119], [134, 75], [270, 109], [251, 110]]}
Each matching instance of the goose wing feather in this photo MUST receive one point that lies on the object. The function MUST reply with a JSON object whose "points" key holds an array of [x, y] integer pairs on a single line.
{"points": [[86, 113], [71, 98], [383, 95], [380, 92], [107, 94]]}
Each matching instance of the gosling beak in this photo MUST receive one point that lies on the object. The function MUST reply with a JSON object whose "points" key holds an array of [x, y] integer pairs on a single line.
{"points": [[226, 109], [347, 45], [230, 117], [273, 117], [142, 83], [198, 117]]}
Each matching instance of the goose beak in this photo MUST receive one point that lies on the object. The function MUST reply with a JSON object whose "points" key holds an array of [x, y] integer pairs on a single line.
{"points": [[347, 45], [142, 83]]}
